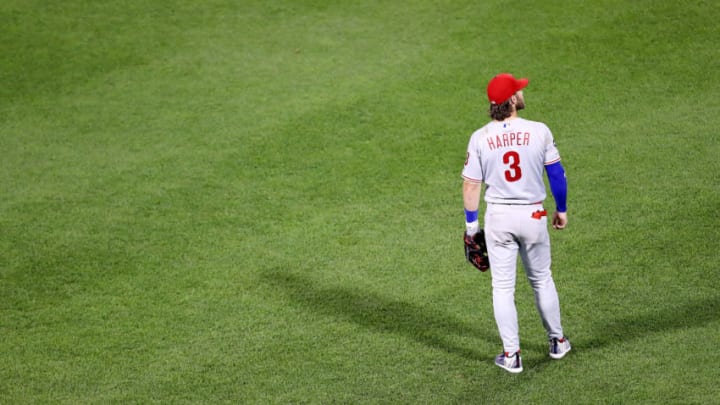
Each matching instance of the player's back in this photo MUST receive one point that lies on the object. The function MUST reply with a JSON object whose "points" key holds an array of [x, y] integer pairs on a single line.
{"points": [[512, 155]]}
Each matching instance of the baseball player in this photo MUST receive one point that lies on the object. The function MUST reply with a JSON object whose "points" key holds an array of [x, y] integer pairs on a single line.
{"points": [[509, 155]]}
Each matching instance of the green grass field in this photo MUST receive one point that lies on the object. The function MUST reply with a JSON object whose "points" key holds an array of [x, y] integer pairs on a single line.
{"points": [[260, 201]]}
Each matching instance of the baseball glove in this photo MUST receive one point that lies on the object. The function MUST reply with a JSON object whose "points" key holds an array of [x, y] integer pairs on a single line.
{"points": [[476, 250]]}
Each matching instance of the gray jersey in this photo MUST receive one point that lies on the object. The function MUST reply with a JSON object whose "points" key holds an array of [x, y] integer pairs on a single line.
{"points": [[510, 158]]}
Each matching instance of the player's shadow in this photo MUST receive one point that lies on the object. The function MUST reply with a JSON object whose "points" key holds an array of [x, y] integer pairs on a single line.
{"points": [[382, 314]]}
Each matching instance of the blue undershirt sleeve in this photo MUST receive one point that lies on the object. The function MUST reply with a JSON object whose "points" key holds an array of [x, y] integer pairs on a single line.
{"points": [[558, 185]]}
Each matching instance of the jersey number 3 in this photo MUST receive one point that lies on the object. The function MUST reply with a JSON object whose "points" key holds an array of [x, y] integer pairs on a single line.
{"points": [[512, 159]]}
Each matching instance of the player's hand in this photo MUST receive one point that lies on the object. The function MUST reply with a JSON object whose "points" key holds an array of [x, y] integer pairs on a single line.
{"points": [[471, 228], [559, 220]]}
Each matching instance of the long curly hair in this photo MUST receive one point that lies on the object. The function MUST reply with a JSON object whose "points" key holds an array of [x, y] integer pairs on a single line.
{"points": [[499, 112]]}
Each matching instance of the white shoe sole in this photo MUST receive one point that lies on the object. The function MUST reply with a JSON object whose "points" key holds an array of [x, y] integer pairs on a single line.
{"points": [[510, 369]]}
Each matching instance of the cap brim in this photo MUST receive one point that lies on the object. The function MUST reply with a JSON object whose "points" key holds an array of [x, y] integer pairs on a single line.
{"points": [[521, 83]]}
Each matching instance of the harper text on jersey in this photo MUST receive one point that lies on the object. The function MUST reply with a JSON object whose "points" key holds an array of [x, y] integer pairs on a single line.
{"points": [[508, 139]]}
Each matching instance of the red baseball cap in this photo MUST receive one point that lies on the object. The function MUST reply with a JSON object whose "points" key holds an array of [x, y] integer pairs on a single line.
{"points": [[503, 86]]}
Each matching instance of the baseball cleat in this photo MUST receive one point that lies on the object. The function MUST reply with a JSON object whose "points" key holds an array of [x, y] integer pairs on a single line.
{"points": [[559, 347], [511, 363]]}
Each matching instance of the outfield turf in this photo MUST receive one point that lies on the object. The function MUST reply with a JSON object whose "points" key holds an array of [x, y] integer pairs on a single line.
{"points": [[260, 201]]}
